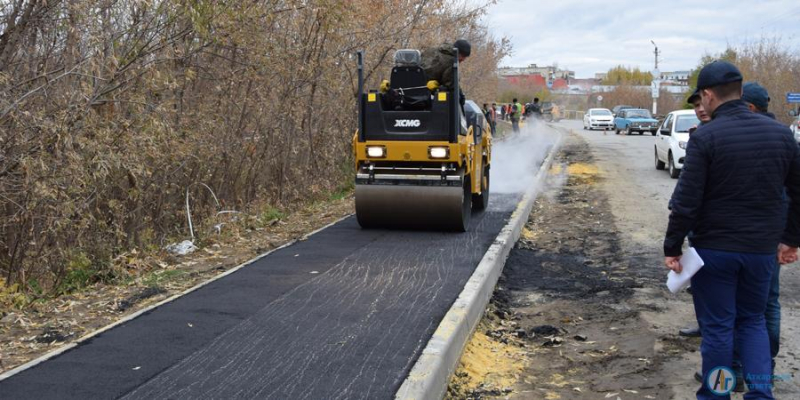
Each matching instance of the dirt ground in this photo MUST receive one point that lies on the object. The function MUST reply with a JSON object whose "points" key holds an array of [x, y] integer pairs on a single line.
{"points": [[45, 325], [581, 311]]}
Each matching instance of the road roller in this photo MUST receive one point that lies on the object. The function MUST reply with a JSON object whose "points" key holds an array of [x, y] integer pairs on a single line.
{"points": [[422, 158]]}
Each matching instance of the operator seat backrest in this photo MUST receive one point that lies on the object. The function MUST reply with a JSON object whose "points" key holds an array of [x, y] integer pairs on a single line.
{"points": [[410, 93], [408, 82], [408, 77]]}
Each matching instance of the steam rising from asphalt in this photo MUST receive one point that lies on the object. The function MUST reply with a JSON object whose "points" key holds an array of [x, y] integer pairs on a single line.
{"points": [[516, 159]]}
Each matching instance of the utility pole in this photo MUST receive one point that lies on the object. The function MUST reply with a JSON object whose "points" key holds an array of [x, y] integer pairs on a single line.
{"points": [[656, 85], [656, 52]]}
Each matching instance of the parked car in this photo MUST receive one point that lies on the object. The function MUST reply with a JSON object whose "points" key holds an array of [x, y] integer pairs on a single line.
{"points": [[633, 120], [600, 118], [619, 108], [671, 139], [474, 115]]}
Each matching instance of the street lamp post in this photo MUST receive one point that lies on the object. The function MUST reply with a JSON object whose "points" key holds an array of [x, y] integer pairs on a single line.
{"points": [[656, 85]]}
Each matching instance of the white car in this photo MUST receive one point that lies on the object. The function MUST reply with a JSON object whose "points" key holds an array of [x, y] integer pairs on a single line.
{"points": [[671, 139], [600, 118]]}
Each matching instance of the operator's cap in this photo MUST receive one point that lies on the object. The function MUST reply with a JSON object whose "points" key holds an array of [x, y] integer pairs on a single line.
{"points": [[718, 73], [694, 97], [463, 46], [755, 94]]}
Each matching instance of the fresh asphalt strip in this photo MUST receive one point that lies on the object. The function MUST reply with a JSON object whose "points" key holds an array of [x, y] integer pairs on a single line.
{"points": [[429, 377], [345, 313]]}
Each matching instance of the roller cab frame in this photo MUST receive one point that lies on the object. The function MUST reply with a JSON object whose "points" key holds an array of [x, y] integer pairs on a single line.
{"points": [[420, 162]]}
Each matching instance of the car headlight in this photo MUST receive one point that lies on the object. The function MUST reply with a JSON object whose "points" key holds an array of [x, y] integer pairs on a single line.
{"points": [[682, 144], [438, 152], [376, 151]]}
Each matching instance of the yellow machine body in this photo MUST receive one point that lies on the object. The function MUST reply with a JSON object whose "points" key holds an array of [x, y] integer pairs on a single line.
{"points": [[422, 155]]}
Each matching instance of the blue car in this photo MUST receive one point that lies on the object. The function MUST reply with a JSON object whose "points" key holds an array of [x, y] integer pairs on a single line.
{"points": [[635, 120]]}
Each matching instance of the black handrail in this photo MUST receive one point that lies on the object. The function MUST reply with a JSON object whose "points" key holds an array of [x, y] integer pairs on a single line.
{"points": [[360, 61], [456, 102]]}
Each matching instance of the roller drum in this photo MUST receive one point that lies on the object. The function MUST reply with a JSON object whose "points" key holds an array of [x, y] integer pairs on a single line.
{"points": [[413, 207]]}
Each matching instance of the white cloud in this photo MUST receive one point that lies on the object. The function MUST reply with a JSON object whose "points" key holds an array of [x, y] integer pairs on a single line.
{"points": [[590, 37]]}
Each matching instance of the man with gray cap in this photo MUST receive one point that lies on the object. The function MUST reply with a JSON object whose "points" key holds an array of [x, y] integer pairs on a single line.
{"points": [[730, 197]]}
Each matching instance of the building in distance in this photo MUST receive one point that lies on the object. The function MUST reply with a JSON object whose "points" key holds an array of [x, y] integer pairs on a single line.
{"points": [[546, 72], [676, 78]]}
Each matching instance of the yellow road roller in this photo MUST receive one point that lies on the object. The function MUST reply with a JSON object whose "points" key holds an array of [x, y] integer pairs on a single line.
{"points": [[422, 162]]}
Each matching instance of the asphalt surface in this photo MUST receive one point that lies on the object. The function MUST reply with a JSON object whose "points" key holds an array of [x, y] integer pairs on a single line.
{"points": [[343, 314]]}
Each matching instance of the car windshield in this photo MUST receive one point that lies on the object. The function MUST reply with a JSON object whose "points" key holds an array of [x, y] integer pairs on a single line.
{"points": [[601, 112], [685, 122], [638, 114]]}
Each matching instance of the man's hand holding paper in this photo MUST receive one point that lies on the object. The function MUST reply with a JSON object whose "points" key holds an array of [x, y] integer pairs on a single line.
{"points": [[683, 268]]}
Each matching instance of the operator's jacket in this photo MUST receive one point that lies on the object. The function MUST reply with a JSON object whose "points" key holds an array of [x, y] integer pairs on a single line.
{"points": [[438, 64], [731, 191]]}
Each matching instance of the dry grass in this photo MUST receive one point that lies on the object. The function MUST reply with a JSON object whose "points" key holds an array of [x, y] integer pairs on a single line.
{"points": [[110, 111]]}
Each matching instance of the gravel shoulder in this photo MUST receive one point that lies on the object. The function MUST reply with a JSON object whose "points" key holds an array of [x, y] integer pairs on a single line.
{"points": [[582, 304]]}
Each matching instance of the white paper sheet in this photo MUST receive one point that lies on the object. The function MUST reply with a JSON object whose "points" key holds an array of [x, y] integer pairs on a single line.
{"points": [[691, 263]]}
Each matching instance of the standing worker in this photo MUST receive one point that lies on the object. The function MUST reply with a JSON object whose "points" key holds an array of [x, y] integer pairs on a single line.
{"points": [[489, 113], [515, 112], [701, 114], [757, 100], [731, 202], [494, 118]]}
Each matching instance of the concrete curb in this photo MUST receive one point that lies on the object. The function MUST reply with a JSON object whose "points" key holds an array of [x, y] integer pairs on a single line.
{"points": [[67, 347], [431, 373]]}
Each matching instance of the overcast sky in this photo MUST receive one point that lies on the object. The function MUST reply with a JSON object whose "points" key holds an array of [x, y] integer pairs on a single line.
{"points": [[593, 36]]}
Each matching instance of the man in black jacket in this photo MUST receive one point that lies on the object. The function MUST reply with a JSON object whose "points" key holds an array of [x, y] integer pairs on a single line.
{"points": [[730, 197]]}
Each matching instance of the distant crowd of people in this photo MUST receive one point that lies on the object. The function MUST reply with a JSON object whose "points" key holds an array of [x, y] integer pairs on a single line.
{"points": [[513, 112]]}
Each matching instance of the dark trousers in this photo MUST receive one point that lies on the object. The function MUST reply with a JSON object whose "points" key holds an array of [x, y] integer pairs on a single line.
{"points": [[730, 292], [515, 124], [773, 314]]}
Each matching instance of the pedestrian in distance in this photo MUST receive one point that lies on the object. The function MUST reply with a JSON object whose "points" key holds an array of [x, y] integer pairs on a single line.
{"points": [[730, 198], [492, 118], [515, 112]]}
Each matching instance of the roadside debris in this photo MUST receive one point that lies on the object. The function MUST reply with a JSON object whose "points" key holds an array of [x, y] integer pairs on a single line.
{"points": [[181, 249], [124, 305]]}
